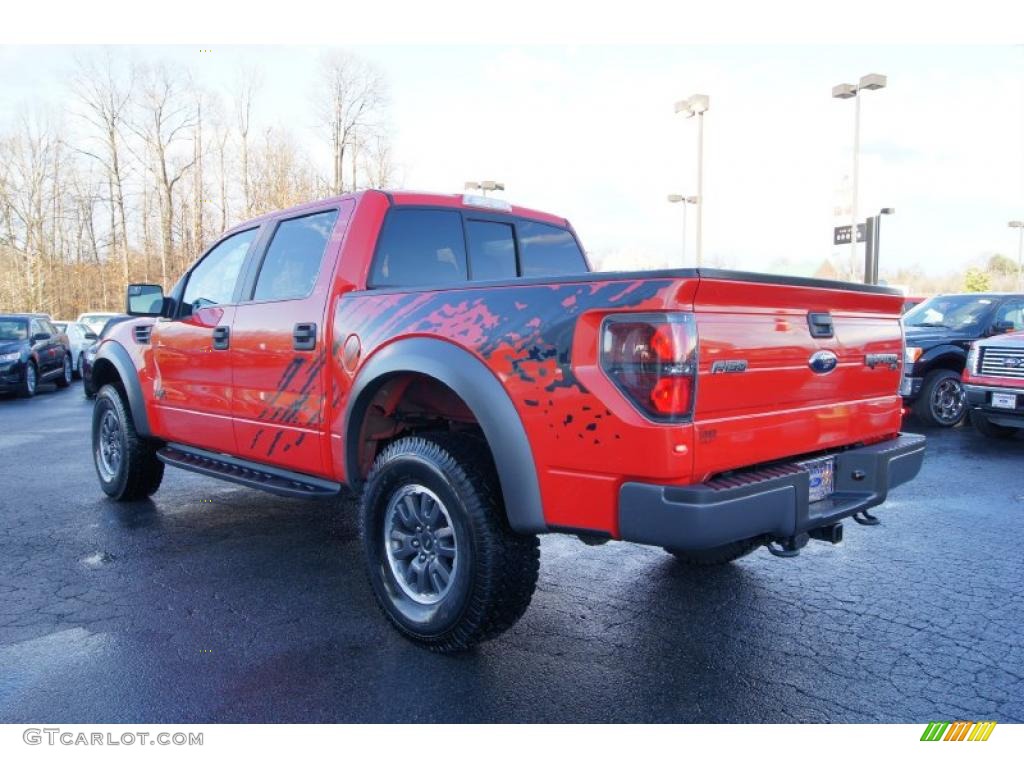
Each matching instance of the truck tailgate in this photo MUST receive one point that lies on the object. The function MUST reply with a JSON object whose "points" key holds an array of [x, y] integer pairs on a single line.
{"points": [[759, 397]]}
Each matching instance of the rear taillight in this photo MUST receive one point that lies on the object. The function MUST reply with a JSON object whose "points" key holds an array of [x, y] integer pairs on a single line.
{"points": [[652, 359]]}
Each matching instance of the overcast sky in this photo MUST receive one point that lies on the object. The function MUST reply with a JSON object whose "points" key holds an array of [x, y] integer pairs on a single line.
{"points": [[589, 132]]}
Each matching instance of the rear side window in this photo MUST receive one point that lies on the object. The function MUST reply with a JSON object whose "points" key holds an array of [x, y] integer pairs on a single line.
{"points": [[419, 247], [492, 250], [546, 250], [293, 258]]}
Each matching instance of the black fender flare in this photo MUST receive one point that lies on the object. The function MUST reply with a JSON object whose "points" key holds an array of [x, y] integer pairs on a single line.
{"points": [[929, 357], [480, 389], [118, 356]]}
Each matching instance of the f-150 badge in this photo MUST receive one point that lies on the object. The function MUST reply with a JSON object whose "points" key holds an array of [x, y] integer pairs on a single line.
{"points": [[728, 366], [891, 361]]}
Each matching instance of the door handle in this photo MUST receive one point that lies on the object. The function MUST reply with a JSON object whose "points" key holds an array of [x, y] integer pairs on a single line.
{"points": [[304, 337], [221, 337]]}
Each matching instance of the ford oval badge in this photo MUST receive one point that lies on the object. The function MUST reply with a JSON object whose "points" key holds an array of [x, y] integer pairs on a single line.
{"points": [[823, 361]]}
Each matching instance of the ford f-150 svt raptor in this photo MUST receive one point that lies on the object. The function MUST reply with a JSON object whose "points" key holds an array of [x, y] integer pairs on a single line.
{"points": [[453, 360]]}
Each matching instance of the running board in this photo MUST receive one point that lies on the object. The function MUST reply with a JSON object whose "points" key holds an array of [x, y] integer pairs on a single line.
{"points": [[249, 473]]}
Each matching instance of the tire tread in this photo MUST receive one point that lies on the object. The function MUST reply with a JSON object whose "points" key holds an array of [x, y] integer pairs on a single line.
{"points": [[145, 470], [507, 562]]}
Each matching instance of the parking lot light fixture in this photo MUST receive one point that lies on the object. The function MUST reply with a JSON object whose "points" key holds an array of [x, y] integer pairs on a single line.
{"points": [[488, 185], [697, 105], [844, 91], [871, 82], [1019, 226]]}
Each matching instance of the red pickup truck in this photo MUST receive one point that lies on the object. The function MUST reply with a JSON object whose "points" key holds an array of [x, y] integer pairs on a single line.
{"points": [[994, 384], [453, 360]]}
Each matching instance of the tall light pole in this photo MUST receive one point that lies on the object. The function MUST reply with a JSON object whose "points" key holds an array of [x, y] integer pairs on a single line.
{"points": [[697, 105], [485, 186], [1019, 226], [685, 201], [872, 82], [872, 242]]}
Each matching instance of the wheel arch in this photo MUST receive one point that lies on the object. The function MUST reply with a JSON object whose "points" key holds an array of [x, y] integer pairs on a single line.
{"points": [[113, 365], [946, 356], [482, 393]]}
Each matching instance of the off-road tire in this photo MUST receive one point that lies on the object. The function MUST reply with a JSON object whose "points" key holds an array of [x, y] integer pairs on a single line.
{"points": [[138, 471], [925, 407], [494, 580], [981, 423], [721, 555]]}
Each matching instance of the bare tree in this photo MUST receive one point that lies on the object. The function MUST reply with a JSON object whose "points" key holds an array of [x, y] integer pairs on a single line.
{"points": [[378, 163], [166, 114], [282, 176], [104, 93], [30, 188], [152, 163], [198, 187], [249, 81], [350, 97], [221, 142]]}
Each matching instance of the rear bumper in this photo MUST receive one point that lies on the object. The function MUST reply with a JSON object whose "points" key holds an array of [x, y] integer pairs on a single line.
{"points": [[771, 502]]}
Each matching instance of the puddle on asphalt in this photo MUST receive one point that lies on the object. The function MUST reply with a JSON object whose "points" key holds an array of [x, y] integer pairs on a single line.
{"points": [[98, 559], [26, 664]]}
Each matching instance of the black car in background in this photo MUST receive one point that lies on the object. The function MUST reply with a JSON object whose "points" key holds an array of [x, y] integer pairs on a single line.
{"points": [[939, 333], [32, 351], [90, 354]]}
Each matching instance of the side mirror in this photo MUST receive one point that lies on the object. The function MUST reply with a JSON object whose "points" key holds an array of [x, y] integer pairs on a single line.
{"points": [[144, 300], [37, 337], [1003, 326], [90, 336]]}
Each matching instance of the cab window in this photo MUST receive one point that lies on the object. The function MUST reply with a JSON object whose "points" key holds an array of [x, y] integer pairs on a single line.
{"points": [[546, 250], [420, 247], [492, 250], [1012, 311], [293, 258], [212, 281]]}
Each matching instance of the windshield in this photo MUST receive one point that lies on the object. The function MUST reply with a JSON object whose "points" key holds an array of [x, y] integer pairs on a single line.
{"points": [[62, 327], [965, 314], [12, 329], [94, 319]]}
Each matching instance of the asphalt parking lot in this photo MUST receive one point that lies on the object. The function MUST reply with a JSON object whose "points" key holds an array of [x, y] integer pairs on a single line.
{"points": [[217, 603]]}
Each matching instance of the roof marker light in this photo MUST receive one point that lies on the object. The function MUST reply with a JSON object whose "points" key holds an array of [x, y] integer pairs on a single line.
{"points": [[478, 201]]}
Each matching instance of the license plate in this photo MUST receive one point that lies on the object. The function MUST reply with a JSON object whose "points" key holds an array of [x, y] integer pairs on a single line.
{"points": [[1004, 400], [822, 477]]}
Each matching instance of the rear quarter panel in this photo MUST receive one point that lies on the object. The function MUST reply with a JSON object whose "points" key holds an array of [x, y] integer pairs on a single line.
{"points": [[540, 341]]}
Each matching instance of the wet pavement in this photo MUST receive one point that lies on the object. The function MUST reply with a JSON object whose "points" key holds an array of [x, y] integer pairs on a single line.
{"points": [[217, 603]]}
